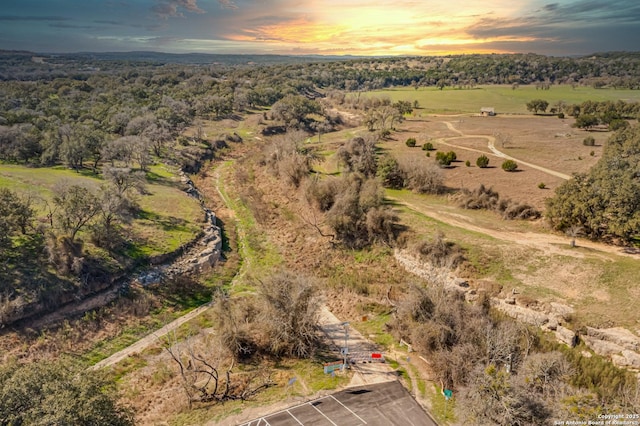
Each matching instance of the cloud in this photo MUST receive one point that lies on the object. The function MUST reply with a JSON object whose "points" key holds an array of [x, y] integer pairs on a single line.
{"points": [[554, 21], [32, 18], [166, 9], [71, 26], [101, 21], [602, 11], [228, 4]]}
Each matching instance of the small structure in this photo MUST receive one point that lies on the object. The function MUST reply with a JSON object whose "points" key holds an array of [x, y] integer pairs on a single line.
{"points": [[487, 111]]}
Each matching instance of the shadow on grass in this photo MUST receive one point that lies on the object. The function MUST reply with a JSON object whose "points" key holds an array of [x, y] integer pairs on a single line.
{"points": [[182, 292], [167, 223], [153, 177], [226, 243]]}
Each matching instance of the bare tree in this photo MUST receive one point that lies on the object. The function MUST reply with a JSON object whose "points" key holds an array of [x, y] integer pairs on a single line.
{"points": [[120, 150], [125, 181], [492, 398], [574, 231], [289, 158], [158, 134], [235, 323], [115, 209], [321, 127], [423, 178], [547, 374], [358, 216], [292, 306], [359, 155], [382, 118], [206, 372], [503, 139]]}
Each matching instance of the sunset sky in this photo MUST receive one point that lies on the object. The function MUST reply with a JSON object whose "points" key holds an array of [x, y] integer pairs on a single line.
{"points": [[329, 27]]}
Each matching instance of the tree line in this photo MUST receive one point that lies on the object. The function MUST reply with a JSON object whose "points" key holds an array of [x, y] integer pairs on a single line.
{"points": [[604, 202]]}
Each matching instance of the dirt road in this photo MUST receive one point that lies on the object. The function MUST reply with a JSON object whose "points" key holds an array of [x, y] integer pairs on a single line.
{"points": [[491, 145], [549, 243]]}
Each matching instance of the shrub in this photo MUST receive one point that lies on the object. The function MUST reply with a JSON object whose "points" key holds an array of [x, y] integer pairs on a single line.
{"points": [[592, 153], [467, 163], [589, 141], [358, 216], [359, 155], [488, 199], [291, 303], [480, 198], [390, 173], [411, 142], [618, 124], [515, 210], [445, 158], [322, 193], [423, 178], [542, 185], [561, 115], [482, 161], [233, 137], [427, 146], [509, 166], [439, 252]]}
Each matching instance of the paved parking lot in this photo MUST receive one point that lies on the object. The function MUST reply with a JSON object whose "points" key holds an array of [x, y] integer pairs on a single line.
{"points": [[382, 404]]}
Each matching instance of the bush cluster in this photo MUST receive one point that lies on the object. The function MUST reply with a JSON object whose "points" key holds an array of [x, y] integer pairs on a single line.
{"points": [[482, 161], [445, 158], [428, 146], [509, 166], [354, 210], [488, 199]]}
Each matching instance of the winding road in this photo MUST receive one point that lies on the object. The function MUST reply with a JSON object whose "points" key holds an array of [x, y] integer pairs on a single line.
{"points": [[491, 145]]}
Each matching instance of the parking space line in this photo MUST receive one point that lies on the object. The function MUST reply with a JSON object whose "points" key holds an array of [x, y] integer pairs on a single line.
{"points": [[323, 415], [351, 411], [294, 418]]}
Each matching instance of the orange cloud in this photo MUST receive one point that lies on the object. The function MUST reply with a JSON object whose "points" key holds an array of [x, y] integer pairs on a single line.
{"points": [[383, 27], [299, 31]]}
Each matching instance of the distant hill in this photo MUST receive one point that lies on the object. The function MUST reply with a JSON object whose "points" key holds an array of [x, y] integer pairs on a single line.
{"points": [[177, 58]]}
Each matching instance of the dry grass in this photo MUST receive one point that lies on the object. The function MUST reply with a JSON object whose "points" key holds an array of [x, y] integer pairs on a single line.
{"points": [[545, 141]]}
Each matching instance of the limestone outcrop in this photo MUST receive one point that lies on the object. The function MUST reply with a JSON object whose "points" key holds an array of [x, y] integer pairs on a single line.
{"points": [[196, 256], [618, 344]]}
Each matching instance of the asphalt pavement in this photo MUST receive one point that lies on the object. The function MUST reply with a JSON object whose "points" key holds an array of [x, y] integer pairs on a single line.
{"points": [[380, 404]]}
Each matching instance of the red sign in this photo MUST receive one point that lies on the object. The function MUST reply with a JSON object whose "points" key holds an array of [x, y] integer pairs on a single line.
{"points": [[376, 356]]}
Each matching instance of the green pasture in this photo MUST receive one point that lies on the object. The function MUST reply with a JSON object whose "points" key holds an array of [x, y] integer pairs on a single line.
{"points": [[168, 216], [39, 182], [503, 98]]}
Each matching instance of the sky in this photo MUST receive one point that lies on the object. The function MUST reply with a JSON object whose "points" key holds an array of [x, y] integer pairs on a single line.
{"points": [[324, 27]]}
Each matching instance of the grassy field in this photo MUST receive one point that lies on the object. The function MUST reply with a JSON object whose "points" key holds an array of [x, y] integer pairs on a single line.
{"points": [[503, 98], [168, 219], [601, 287]]}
